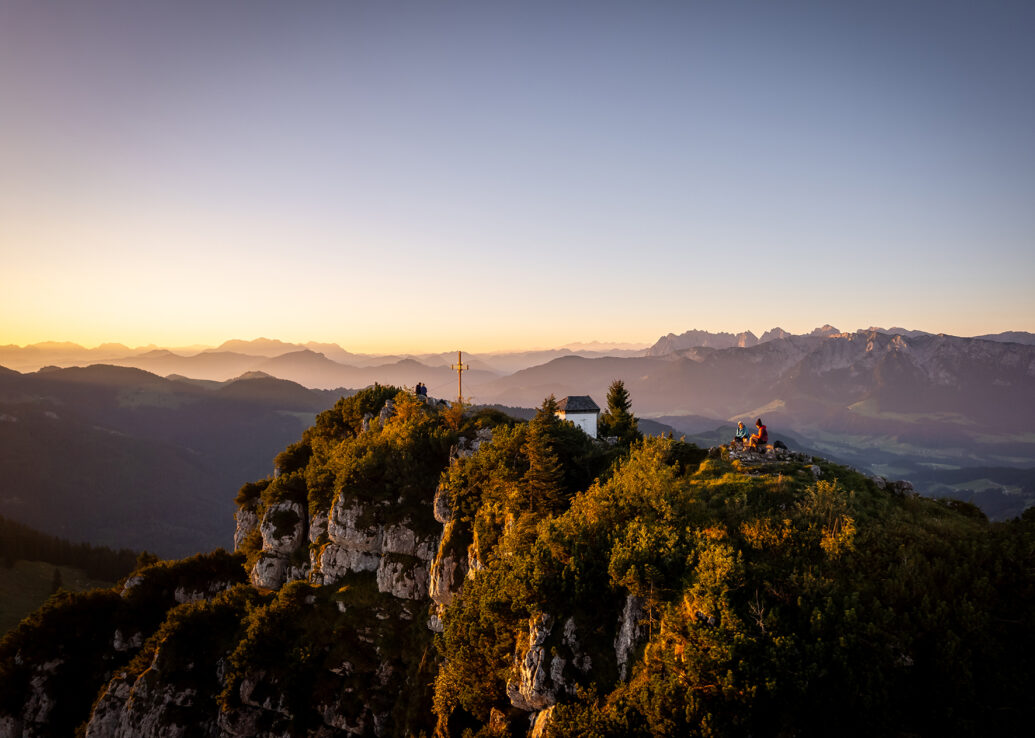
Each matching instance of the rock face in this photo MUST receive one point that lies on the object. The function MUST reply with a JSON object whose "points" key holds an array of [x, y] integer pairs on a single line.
{"points": [[247, 521], [541, 723], [147, 703], [283, 529], [38, 709], [144, 708], [534, 685], [466, 448], [400, 556], [325, 548], [539, 677], [629, 633], [447, 572]]}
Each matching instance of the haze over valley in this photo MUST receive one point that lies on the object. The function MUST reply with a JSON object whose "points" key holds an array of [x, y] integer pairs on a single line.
{"points": [[141, 448]]}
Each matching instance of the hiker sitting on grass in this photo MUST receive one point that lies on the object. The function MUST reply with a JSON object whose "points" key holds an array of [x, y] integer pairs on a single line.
{"points": [[741, 435], [760, 437]]}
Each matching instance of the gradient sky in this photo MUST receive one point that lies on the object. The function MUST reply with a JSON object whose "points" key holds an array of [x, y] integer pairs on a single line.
{"points": [[432, 175]]}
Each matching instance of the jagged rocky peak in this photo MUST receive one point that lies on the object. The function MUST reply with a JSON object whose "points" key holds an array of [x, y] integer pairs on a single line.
{"points": [[825, 331], [701, 339], [694, 339], [774, 334]]}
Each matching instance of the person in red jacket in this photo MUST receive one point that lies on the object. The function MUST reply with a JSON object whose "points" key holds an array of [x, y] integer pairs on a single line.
{"points": [[760, 437]]}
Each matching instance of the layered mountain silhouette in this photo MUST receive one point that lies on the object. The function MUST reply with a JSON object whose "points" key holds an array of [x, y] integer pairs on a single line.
{"points": [[121, 457], [874, 375], [896, 401]]}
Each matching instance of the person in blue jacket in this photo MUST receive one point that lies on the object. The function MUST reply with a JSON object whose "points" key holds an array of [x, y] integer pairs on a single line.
{"points": [[741, 435]]}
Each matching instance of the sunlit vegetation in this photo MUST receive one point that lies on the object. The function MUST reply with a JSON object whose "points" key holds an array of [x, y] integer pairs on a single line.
{"points": [[769, 601]]}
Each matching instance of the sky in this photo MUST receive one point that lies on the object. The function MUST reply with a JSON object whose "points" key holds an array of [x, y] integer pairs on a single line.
{"points": [[418, 176]]}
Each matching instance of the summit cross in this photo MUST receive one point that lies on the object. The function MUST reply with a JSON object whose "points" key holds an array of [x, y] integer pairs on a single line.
{"points": [[460, 367]]}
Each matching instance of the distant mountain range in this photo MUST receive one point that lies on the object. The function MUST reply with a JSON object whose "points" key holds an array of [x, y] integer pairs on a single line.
{"points": [[961, 397], [328, 365], [703, 339], [148, 456], [318, 365], [120, 457]]}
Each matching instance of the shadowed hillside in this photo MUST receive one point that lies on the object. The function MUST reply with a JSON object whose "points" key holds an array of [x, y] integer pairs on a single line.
{"points": [[120, 457]]}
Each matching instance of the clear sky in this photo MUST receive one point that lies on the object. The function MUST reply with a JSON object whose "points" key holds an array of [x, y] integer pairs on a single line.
{"points": [[430, 175]]}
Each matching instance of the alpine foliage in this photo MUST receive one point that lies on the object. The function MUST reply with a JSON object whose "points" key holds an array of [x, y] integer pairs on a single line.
{"points": [[646, 588]]}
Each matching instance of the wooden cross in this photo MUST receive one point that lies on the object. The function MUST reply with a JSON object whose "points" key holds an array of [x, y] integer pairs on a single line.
{"points": [[460, 367]]}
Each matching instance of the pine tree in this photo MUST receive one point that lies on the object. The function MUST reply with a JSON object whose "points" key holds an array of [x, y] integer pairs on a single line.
{"points": [[617, 420], [542, 483]]}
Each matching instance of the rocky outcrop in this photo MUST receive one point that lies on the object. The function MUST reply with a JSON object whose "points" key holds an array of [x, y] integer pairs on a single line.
{"points": [[269, 572], [469, 447], [283, 529], [447, 571], [318, 526], [537, 676], [629, 634], [452, 564], [347, 529], [144, 708], [346, 540], [541, 723], [405, 577], [899, 488], [36, 713], [247, 521], [768, 455], [387, 411], [440, 506], [580, 659], [396, 552], [121, 643], [184, 594], [337, 561]]}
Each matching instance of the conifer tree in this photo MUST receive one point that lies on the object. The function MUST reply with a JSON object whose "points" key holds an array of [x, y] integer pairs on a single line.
{"points": [[542, 482], [617, 420]]}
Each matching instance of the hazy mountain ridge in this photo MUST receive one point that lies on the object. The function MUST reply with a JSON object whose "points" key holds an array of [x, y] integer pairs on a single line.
{"points": [[979, 379], [320, 365], [234, 357], [673, 343], [880, 399], [121, 457], [877, 400]]}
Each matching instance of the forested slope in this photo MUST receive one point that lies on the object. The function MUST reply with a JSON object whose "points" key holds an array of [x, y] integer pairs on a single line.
{"points": [[426, 571]]}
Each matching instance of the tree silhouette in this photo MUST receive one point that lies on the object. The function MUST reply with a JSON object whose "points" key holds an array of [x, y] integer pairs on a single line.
{"points": [[617, 420], [542, 483]]}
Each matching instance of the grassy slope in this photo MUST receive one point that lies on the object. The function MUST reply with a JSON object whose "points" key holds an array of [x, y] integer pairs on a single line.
{"points": [[27, 584]]}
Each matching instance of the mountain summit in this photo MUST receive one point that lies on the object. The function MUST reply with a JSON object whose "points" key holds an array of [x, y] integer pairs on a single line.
{"points": [[412, 569]]}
